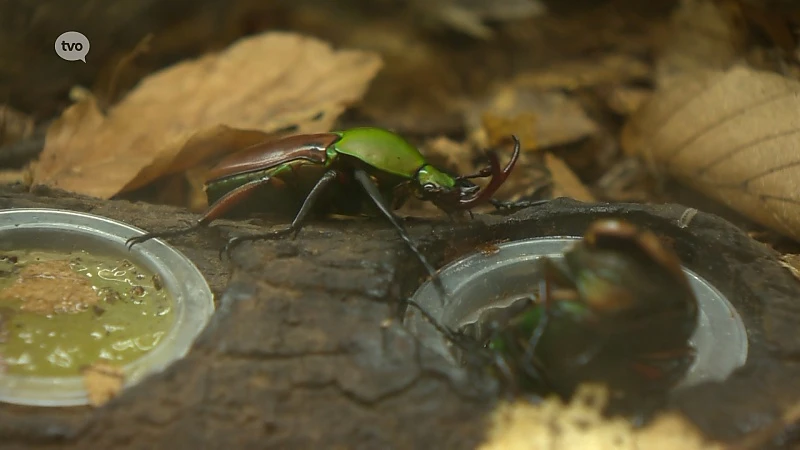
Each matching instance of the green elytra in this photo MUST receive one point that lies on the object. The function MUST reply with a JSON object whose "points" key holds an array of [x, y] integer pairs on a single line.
{"points": [[390, 153], [388, 157]]}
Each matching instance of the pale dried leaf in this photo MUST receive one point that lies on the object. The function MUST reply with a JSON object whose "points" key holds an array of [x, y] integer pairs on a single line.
{"points": [[625, 100], [15, 176], [792, 263], [571, 75], [734, 136], [200, 109], [102, 382], [14, 125], [539, 119], [565, 182], [581, 425], [701, 36], [456, 156]]}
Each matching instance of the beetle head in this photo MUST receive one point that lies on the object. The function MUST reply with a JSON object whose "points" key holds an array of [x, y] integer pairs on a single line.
{"points": [[443, 190], [459, 193]]}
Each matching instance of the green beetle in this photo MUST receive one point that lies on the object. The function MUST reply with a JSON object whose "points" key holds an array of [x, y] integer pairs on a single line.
{"points": [[339, 168], [616, 309]]}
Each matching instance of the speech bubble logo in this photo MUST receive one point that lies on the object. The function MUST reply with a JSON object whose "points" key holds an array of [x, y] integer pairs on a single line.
{"points": [[72, 46]]}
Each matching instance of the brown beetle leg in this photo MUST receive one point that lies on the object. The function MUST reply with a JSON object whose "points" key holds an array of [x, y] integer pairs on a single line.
{"points": [[298, 222], [214, 212]]}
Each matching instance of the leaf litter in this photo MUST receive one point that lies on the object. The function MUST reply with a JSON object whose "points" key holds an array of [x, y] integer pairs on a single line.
{"points": [[580, 424], [201, 109], [733, 135]]}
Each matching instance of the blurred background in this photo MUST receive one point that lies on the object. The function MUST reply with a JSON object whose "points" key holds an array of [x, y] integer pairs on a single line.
{"points": [[579, 81]]}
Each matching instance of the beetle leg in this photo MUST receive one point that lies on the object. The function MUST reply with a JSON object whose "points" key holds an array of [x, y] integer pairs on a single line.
{"points": [[538, 332], [500, 204], [214, 212], [529, 360], [483, 173], [512, 386], [369, 186], [448, 333], [297, 224]]}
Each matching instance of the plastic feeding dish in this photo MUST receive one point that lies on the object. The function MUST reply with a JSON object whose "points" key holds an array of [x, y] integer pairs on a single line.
{"points": [[480, 281], [73, 297]]}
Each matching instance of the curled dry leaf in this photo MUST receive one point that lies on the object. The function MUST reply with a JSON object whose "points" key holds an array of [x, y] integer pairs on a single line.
{"points": [[103, 382], [581, 425], [565, 182], [201, 109], [733, 135]]}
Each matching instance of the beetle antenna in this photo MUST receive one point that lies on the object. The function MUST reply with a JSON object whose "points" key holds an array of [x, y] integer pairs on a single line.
{"points": [[162, 234]]}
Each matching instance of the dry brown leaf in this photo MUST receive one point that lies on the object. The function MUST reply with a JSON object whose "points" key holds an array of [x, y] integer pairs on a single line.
{"points": [[457, 156], [581, 425], [792, 263], [203, 108], [625, 100], [701, 36], [15, 176], [539, 119], [14, 125], [734, 136], [610, 69], [103, 382], [565, 182]]}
